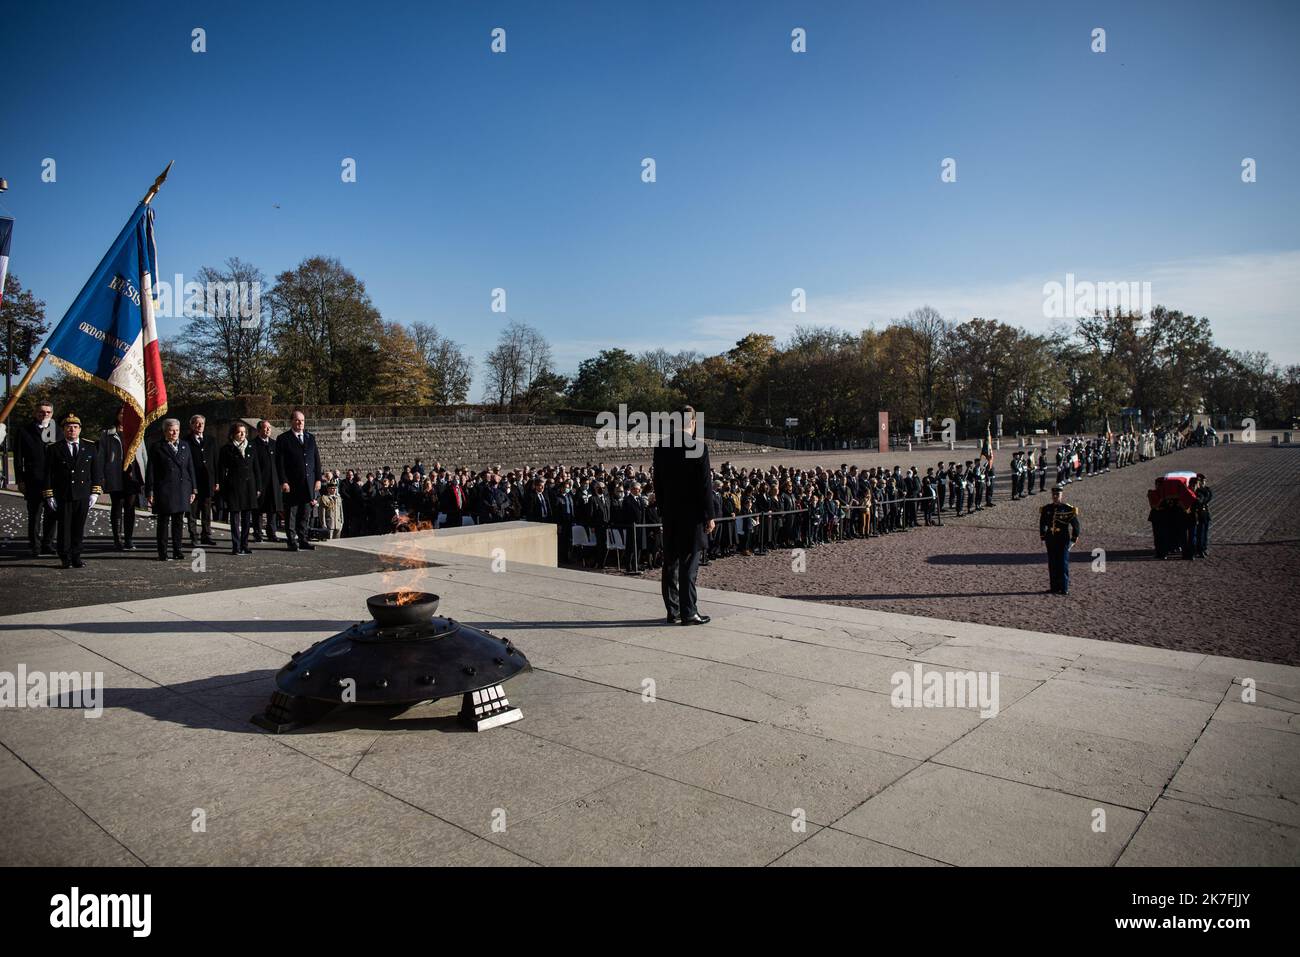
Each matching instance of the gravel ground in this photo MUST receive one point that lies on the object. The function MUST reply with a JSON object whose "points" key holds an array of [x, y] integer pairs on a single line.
{"points": [[991, 567]]}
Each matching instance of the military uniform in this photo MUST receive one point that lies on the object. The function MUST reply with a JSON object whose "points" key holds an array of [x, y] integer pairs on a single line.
{"points": [[1058, 527], [73, 475]]}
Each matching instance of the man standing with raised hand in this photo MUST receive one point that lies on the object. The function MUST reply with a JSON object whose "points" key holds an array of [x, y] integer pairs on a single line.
{"points": [[683, 483], [300, 479]]}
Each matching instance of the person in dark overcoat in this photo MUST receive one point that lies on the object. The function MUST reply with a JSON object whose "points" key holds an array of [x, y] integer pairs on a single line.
{"points": [[238, 486], [271, 502], [169, 484], [122, 482]]}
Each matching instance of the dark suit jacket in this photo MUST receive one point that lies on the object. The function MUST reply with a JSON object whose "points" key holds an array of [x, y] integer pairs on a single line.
{"points": [[203, 453], [29, 458], [239, 477], [268, 470], [67, 480], [117, 479], [299, 464], [169, 477], [683, 486]]}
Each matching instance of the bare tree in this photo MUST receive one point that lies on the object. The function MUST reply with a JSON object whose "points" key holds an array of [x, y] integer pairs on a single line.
{"points": [[450, 370], [228, 335], [927, 337], [521, 355]]}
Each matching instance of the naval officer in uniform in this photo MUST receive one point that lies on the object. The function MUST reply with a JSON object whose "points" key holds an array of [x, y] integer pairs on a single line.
{"points": [[1058, 527]]}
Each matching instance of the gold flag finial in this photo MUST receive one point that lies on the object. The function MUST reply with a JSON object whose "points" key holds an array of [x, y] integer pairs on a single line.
{"points": [[157, 184]]}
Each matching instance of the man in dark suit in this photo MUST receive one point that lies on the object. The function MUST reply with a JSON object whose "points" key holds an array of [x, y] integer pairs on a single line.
{"points": [[269, 502], [537, 506], [300, 478], [30, 444], [203, 453], [122, 482], [73, 483], [169, 486], [684, 493]]}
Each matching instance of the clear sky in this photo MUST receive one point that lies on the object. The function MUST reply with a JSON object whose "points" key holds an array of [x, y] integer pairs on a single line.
{"points": [[775, 170]]}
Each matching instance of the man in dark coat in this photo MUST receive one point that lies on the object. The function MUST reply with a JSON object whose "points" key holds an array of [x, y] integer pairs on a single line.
{"points": [[351, 494], [300, 478], [537, 505], [203, 454], [565, 512], [238, 486], [73, 483], [270, 502], [684, 493], [30, 444], [169, 486], [122, 482]]}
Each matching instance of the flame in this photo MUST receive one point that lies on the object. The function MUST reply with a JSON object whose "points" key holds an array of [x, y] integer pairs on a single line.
{"points": [[405, 556]]}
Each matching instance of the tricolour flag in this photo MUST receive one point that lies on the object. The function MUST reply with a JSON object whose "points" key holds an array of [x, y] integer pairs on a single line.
{"points": [[108, 335], [6, 237]]}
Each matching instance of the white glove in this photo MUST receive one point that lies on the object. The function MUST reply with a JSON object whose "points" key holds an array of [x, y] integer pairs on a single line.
{"points": [[93, 499], [54, 506]]}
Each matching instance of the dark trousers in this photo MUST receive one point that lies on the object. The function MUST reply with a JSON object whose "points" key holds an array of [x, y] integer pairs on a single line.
{"points": [[123, 509], [1203, 536], [40, 523], [71, 517], [681, 565], [270, 516], [240, 524], [163, 519], [296, 520], [1058, 565], [200, 509]]}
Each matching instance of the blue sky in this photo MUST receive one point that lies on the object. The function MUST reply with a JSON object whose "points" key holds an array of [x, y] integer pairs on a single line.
{"points": [[775, 170]]}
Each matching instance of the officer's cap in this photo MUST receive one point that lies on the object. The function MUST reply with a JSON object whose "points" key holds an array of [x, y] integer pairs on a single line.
{"points": [[71, 419]]}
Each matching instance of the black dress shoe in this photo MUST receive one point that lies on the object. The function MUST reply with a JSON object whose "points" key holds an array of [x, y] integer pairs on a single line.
{"points": [[128, 547], [65, 564], [308, 546], [163, 558], [207, 541], [293, 548], [696, 620], [671, 620], [78, 563], [177, 557], [246, 551]]}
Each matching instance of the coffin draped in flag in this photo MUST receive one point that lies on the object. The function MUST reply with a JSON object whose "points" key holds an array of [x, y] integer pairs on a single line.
{"points": [[108, 335]]}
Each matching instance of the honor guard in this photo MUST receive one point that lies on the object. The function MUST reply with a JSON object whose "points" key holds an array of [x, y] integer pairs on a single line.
{"points": [[73, 484], [1058, 527]]}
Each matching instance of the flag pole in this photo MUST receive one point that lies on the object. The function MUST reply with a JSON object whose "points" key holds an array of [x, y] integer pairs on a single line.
{"points": [[40, 356]]}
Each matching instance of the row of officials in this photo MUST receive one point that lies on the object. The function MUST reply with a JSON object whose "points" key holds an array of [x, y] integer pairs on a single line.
{"points": [[184, 478]]}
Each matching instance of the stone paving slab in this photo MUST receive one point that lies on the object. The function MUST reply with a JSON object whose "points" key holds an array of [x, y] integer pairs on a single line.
{"points": [[768, 737]]}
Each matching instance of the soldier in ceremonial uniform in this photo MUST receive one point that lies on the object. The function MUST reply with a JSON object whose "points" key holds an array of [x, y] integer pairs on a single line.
{"points": [[1058, 527], [73, 483]]}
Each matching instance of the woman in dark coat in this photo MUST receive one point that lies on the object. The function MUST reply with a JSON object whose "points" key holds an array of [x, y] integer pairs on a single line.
{"points": [[238, 486]]}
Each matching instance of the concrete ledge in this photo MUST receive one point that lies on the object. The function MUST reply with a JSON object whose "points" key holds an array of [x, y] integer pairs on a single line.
{"points": [[530, 543]]}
